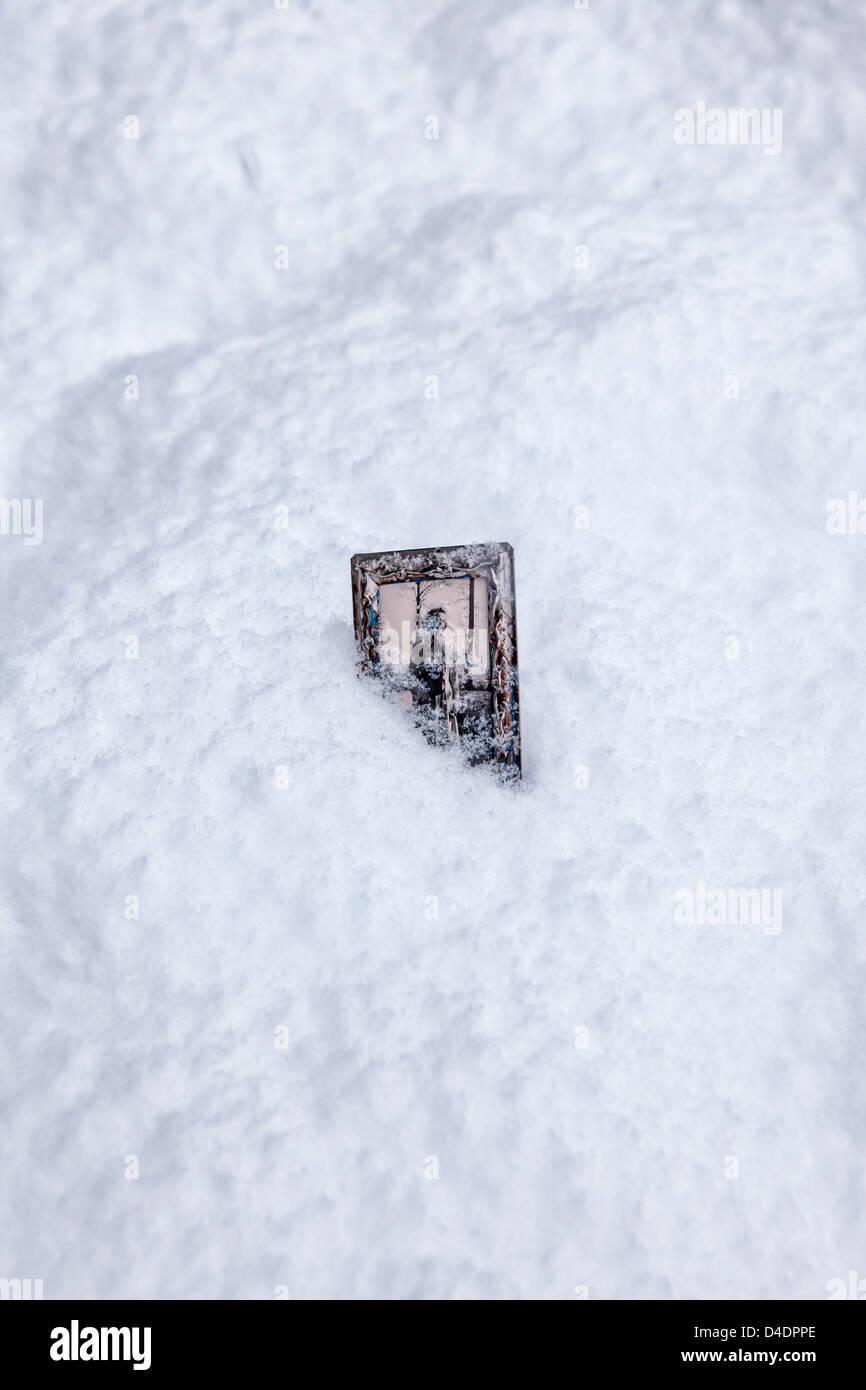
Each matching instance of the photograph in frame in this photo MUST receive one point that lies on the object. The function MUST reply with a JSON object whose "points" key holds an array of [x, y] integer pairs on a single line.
{"points": [[438, 627]]}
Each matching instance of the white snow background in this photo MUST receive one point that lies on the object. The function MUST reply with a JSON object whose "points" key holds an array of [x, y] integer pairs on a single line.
{"points": [[561, 1167]]}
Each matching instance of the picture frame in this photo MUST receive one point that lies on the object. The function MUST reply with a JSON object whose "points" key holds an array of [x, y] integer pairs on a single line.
{"points": [[438, 625]]}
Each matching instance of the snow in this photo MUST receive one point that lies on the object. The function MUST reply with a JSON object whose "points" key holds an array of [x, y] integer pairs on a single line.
{"points": [[286, 834]]}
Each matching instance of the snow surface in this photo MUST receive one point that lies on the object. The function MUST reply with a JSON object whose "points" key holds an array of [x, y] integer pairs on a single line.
{"points": [[561, 1166]]}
